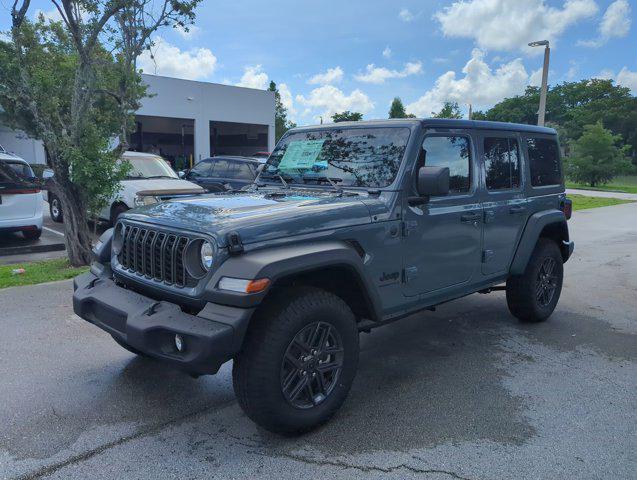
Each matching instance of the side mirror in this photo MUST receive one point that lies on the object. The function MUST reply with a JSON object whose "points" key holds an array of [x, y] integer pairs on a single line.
{"points": [[432, 182], [181, 174]]}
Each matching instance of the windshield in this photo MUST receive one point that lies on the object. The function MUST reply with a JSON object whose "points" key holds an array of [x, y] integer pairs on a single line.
{"points": [[149, 167], [350, 157]]}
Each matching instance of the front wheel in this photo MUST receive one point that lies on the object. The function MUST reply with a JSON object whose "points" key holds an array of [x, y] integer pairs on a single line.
{"points": [[55, 209], [298, 360], [533, 296]]}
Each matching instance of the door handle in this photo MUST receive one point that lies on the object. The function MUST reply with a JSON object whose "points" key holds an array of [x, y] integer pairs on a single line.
{"points": [[517, 209], [470, 217]]}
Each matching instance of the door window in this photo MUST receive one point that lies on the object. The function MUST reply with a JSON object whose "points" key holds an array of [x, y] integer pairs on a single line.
{"points": [[220, 168], [241, 171], [501, 163], [453, 152], [201, 169], [544, 161]]}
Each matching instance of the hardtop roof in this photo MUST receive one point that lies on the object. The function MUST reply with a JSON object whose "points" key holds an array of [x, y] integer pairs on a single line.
{"points": [[436, 123]]}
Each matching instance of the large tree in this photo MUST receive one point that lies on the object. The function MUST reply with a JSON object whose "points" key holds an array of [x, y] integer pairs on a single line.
{"points": [[281, 122], [74, 85], [596, 157], [347, 116]]}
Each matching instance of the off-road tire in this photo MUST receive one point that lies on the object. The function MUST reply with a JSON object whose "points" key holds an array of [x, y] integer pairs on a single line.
{"points": [[522, 290], [126, 346], [257, 371], [32, 234], [116, 211], [55, 209]]}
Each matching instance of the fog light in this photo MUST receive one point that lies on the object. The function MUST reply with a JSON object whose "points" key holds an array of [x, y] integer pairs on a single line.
{"points": [[179, 343]]}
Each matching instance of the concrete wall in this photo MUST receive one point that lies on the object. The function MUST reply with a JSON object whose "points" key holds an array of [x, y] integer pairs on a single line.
{"points": [[205, 102], [18, 142]]}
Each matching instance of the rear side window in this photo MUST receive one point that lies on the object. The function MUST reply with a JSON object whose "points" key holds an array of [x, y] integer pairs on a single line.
{"points": [[241, 171], [544, 160], [452, 152], [501, 163]]}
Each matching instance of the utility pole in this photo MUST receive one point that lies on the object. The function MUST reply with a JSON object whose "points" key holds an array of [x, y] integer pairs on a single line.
{"points": [[470, 111], [545, 75]]}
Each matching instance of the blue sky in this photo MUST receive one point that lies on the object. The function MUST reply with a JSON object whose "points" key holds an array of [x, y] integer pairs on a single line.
{"points": [[330, 55]]}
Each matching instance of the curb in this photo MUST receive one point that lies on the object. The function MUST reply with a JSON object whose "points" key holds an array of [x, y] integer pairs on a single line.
{"points": [[51, 247]]}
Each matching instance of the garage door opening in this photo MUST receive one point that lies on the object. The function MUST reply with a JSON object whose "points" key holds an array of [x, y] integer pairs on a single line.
{"points": [[229, 138], [172, 138]]}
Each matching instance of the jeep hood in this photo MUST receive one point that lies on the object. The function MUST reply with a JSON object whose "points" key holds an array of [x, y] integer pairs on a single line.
{"points": [[257, 216]]}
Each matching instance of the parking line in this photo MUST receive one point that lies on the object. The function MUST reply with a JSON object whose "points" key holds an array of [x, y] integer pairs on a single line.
{"points": [[52, 231]]}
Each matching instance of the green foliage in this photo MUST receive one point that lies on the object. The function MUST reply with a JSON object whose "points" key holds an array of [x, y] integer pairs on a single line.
{"points": [[397, 109], [595, 157], [449, 110], [38, 272], [281, 122], [582, 202], [573, 105], [347, 116]]}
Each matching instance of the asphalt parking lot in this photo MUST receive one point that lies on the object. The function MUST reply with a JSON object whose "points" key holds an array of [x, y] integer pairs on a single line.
{"points": [[466, 392]]}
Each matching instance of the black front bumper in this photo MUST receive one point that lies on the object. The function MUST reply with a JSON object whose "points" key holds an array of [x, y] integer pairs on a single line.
{"points": [[211, 337]]}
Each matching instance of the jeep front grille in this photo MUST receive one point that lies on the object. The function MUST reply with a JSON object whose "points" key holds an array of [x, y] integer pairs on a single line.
{"points": [[155, 254]]}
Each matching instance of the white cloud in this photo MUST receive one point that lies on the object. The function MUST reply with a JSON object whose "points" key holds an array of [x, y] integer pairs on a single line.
{"points": [[54, 15], [387, 52], [167, 59], [254, 77], [333, 75], [328, 100], [615, 23], [187, 35], [378, 75], [480, 85], [535, 79], [627, 78], [511, 24], [405, 15], [287, 101]]}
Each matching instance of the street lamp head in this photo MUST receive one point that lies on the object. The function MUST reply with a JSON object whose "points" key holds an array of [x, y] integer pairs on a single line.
{"points": [[540, 43]]}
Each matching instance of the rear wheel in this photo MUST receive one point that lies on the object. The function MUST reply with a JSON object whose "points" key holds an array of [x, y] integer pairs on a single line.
{"points": [[533, 296], [55, 208], [298, 360]]}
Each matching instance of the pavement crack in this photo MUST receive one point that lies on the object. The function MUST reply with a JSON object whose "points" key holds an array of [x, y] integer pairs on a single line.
{"points": [[141, 432], [364, 468]]}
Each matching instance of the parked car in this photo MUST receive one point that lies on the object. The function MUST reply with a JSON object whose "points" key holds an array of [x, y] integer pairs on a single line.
{"points": [[218, 174], [20, 200], [261, 156], [351, 226], [151, 180]]}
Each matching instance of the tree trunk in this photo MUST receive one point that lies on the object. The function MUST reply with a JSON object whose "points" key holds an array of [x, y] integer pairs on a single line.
{"points": [[77, 234]]}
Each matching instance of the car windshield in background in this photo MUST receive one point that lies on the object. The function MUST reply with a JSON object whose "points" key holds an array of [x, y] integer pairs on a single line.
{"points": [[149, 167], [349, 157]]}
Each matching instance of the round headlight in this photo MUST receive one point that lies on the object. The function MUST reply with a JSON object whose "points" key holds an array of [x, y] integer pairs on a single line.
{"points": [[207, 254]]}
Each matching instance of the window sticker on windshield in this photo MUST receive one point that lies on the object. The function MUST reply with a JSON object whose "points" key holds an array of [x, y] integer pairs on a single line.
{"points": [[301, 154]]}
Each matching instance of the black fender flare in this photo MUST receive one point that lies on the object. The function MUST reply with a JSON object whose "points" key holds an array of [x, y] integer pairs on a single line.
{"points": [[532, 231], [279, 262]]}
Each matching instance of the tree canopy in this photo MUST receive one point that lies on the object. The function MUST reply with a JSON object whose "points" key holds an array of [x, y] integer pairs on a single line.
{"points": [[448, 110], [347, 116]]}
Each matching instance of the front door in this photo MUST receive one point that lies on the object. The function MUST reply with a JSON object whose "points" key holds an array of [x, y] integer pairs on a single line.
{"points": [[443, 237], [504, 202]]}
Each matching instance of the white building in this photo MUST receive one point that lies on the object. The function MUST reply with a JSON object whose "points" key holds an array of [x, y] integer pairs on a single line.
{"points": [[186, 121]]}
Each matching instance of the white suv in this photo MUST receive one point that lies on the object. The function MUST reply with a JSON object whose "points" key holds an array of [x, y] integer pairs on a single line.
{"points": [[20, 200], [151, 180]]}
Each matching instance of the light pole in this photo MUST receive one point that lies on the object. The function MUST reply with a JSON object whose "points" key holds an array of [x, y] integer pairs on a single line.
{"points": [[545, 76]]}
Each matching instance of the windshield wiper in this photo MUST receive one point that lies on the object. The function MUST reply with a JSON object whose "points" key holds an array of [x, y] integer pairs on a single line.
{"points": [[323, 178], [272, 176], [160, 176]]}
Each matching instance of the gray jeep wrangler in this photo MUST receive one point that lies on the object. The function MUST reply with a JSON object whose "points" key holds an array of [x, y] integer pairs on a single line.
{"points": [[348, 227]]}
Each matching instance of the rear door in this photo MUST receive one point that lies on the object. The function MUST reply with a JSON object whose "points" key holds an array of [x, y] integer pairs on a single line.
{"points": [[505, 205], [19, 196], [240, 174]]}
